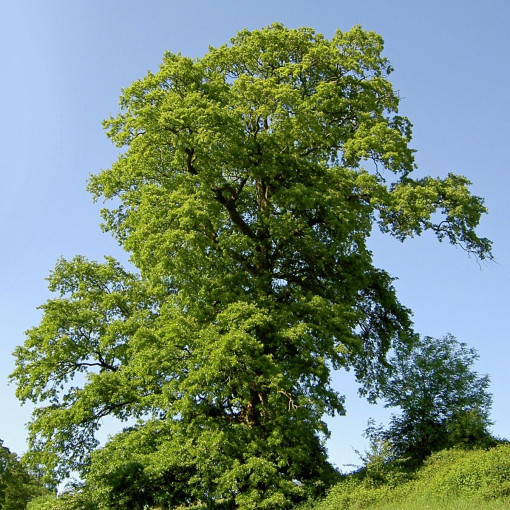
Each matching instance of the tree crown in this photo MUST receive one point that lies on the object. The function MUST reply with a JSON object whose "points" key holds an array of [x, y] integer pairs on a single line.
{"points": [[249, 183]]}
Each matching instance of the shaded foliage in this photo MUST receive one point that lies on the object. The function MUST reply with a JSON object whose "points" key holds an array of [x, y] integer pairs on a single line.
{"points": [[443, 401], [17, 485]]}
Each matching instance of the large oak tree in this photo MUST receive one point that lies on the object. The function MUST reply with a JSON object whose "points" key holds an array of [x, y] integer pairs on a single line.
{"points": [[249, 182]]}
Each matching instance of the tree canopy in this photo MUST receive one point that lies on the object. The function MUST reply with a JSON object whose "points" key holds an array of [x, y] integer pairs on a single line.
{"points": [[249, 182]]}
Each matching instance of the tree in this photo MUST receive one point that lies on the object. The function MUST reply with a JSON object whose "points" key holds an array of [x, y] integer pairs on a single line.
{"points": [[443, 401], [17, 485], [250, 181]]}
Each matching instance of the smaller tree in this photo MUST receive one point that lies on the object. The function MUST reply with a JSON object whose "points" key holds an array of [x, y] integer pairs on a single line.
{"points": [[444, 402], [17, 486]]}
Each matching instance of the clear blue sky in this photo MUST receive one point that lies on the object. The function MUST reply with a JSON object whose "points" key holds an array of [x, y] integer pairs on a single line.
{"points": [[64, 63]]}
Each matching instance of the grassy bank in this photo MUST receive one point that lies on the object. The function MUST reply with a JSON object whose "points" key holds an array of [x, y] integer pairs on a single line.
{"points": [[453, 503], [451, 479]]}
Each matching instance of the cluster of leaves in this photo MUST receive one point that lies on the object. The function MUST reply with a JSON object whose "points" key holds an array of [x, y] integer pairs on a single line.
{"points": [[243, 201]]}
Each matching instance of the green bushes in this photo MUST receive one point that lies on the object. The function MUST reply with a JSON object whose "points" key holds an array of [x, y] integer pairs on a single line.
{"points": [[437, 503], [483, 474], [65, 501], [480, 475]]}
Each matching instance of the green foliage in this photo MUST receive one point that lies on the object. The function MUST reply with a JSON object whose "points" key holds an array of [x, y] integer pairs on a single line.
{"points": [[448, 476], [74, 500], [481, 473], [83, 334], [17, 485], [428, 502], [444, 402], [249, 183], [139, 467]]}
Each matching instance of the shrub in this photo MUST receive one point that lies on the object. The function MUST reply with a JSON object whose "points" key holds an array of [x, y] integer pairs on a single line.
{"points": [[483, 474], [479, 475]]}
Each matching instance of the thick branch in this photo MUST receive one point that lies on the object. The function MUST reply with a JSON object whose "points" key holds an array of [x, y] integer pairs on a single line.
{"points": [[230, 206], [189, 162]]}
